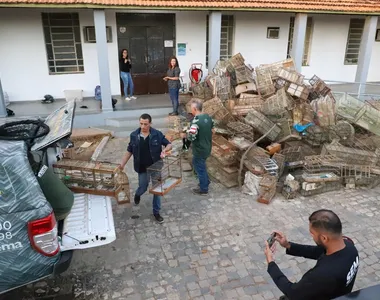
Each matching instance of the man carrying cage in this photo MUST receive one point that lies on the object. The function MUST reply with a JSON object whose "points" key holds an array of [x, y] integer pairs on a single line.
{"points": [[146, 145]]}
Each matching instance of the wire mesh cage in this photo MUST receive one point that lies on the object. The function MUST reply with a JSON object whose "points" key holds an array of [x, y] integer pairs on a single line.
{"points": [[184, 98], [241, 129], [324, 109], [262, 124], [237, 60], [267, 189], [349, 154], [202, 90], [265, 86], [176, 123], [94, 178], [243, 74], [221, 87], [210, 107], [348, 107], [319, 86], [275, 67], [322, 163], [278, 104], [342, 131], [293, 156], [165, 175], [225, 158], [279, 159], [316, 188], [316, 136]]}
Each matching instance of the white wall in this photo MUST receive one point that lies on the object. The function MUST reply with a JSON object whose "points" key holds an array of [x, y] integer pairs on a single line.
{"points": [[251, 37], [191, 29], [374, 70], [23, 64], [328, 47], [25, 75]]}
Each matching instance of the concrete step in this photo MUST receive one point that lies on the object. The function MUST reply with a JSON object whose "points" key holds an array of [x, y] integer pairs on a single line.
{"points": [[157, 121], [117, 117], [124, 132]]}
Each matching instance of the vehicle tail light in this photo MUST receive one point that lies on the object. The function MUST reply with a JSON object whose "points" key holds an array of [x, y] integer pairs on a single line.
{"points": [[43, 235]]}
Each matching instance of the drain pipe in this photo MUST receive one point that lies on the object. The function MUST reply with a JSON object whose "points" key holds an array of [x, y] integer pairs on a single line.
{"points": [[3, 109]]}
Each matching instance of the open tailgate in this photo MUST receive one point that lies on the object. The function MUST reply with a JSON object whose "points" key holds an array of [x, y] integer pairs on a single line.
{"points": [[89, 224]]}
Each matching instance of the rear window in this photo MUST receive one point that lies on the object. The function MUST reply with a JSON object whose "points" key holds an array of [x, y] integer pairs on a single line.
{"points": [[7, 192]]}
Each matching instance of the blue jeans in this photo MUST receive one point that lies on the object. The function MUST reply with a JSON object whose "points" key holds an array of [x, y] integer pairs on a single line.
{"points": [[128, 82], [143, 187], [174, 94], [199, 165]]}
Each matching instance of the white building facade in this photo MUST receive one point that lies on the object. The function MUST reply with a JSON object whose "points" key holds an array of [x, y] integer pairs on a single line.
{"points": [[47, 51]]}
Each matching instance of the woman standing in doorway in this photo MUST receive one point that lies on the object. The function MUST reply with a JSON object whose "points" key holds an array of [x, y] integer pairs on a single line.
{"points": [[173, 83], [125, 74]]}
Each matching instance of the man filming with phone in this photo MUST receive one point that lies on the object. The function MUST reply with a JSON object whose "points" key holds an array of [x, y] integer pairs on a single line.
{"points": [[337, 261]]}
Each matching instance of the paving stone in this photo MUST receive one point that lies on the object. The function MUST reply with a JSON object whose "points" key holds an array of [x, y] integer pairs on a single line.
{"points": [[208, 247]]}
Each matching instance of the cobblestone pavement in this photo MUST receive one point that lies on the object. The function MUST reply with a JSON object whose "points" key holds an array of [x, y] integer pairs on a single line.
{"points": [[209, 247]]}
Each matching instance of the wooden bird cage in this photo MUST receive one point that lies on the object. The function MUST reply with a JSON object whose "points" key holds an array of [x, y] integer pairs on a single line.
{"points": [[237, 60], [291, 76], [243, 74], [300, 91], [267, 189], [94, 178], [241, 129], [319, 86], [274, 68], [262, 124], [165, 175], [210, 107]]}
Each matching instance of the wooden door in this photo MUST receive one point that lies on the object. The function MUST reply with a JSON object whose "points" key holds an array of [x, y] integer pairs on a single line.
{"points": [[157, 66], [138, 54], [144, 36]]}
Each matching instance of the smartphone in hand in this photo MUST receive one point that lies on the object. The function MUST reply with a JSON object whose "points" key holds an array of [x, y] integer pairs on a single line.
{"points": [[271, 239]]}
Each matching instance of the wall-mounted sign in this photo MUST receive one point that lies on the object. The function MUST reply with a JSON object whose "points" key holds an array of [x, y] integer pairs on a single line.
{"points": [[123, 29], [168, 43], [181, 49]]}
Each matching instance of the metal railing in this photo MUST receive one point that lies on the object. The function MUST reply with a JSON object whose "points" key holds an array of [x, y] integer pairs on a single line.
{"points": [[369, 90]]}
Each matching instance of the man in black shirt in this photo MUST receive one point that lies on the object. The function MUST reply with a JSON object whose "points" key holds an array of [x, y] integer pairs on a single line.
{"points": [[337, 261], [145, 145]]}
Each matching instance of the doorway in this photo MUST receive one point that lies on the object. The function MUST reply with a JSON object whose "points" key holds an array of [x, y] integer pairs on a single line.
{"points": [[150, 40]]}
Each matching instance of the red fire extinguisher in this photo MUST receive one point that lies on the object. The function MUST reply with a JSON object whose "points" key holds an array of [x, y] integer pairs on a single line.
{"points": [[196, 73]]}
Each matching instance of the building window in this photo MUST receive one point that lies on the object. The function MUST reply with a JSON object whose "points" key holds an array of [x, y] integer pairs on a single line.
{"points": [[308, 38], [226, 38], [63, 43], [273, 32], [90, 36], [354, 39]]}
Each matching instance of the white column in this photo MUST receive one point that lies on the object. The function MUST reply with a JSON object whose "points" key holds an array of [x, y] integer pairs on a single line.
{"points": [[102, 51], [365, 52], [214, 34], [298, 43], [3, 109]]}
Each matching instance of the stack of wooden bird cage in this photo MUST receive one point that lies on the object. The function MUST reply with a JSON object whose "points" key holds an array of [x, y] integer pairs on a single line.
{"points": [[222, 164]]}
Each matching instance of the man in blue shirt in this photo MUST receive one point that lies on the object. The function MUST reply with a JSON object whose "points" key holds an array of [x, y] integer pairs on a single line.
{"points": [[145, 145]]}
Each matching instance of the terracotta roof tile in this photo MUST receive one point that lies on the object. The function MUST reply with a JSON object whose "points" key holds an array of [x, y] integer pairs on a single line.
{"points": [[343, 6]]}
